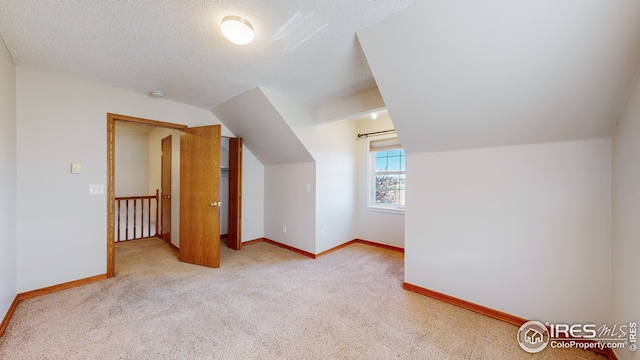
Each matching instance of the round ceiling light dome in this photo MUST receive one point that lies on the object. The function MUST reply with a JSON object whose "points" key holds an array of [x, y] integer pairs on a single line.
{"points": [[238, 30]]}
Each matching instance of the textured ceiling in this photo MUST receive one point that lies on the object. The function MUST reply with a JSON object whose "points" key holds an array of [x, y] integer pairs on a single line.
{"points": [[306, 49]]}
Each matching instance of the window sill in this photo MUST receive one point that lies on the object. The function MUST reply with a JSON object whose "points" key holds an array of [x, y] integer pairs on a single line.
{"points": [[384, 209]]}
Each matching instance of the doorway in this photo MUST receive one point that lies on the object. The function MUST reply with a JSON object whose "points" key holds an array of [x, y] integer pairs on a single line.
{"points": [[111, 119], [165, 189], [230, 186]]}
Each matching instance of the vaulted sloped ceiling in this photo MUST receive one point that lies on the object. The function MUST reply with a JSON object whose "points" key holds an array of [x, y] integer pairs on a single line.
{"points": [[252, 116], [466, 74]]}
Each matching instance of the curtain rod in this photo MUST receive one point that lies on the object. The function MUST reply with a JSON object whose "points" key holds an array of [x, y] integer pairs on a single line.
{"points": [[377, 132]]}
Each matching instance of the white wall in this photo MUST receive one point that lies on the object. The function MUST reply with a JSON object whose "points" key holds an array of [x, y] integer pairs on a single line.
{"points": [[154, 161], [380, 227], [61, 228], [253, 197], [288, 203], [333, 146], [626, 216], [131, 170], [521, 229], [8, 252], [335, 154]]}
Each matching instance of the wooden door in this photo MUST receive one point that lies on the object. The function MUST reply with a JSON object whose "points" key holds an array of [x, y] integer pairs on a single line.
{"points": [[199, 202], [235, 193], [165, 206]]}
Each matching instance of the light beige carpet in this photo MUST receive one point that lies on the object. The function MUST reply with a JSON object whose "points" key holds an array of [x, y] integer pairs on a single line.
{"points": [[263, 303]]}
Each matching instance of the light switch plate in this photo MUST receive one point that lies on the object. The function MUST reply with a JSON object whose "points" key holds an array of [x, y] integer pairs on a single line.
{"points": [[76, 168], [96, 189]]}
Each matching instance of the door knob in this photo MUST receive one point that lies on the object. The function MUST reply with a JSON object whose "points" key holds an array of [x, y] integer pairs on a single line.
{"points": [[214, 204]]}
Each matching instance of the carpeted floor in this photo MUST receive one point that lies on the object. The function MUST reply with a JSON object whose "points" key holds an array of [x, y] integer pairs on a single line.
{"points": [[265, 302]]}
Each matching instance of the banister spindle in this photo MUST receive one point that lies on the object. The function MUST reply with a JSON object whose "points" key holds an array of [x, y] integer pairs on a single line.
{"points": [[118, 220], [149, 217], [157, 210], [135, 219], [142, 218], [126, 221]]}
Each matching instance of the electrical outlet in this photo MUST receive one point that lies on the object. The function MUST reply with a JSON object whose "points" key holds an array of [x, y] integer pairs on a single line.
{"points": [[322, 234], [284, 229]]}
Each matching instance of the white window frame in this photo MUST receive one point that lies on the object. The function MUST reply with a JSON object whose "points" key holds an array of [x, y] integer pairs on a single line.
{"points": [[371, 191]]}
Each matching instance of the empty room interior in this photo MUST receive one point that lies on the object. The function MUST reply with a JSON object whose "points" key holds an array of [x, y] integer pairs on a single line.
{"points": [[348, 179]]}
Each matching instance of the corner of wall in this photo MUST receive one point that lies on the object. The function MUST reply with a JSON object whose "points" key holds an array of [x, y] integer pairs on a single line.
{"points": [[625, 209], [8, 182]]}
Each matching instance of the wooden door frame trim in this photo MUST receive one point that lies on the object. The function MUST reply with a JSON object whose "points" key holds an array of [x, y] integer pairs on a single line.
{"points": [[111, 153], [234, 220]]}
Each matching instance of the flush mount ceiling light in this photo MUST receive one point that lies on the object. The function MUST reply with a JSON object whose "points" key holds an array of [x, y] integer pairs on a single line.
{"points": [[156, 94], [238, 30], [374, 115]]}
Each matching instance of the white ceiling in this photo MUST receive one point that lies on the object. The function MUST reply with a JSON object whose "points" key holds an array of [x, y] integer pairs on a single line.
{"points": [[307, 49], [461, 74], [252, 116]]}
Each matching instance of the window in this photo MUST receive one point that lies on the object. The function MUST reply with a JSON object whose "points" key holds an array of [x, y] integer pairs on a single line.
{"points": [[387, 181]]}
